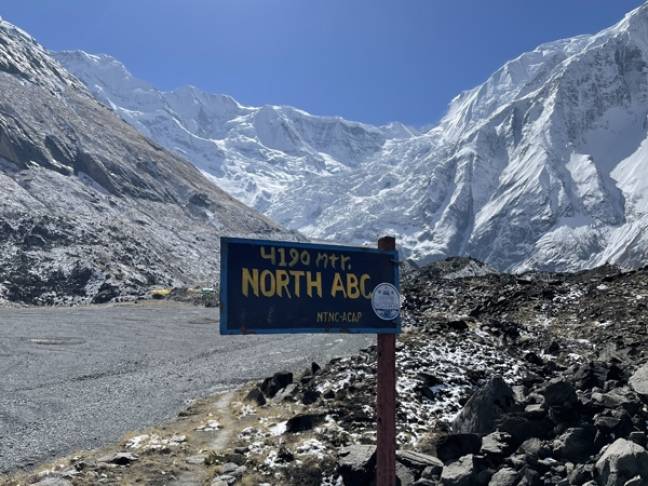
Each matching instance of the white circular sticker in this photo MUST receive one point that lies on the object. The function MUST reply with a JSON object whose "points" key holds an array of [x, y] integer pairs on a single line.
{"points": [[385, 301]]}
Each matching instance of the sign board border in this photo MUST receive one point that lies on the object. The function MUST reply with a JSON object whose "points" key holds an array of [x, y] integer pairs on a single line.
{"points": [[225, 241]]}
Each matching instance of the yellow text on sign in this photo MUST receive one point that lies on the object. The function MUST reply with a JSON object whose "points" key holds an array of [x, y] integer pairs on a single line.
{"points": [[290, 257], [300, 283]]}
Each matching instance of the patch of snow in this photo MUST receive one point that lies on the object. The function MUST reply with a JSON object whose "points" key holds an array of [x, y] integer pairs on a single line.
{"points": [[278, 429]]}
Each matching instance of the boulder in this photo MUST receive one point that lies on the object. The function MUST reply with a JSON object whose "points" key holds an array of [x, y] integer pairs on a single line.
{"points": [[561, 401], [576, 444], [505, 477], [432, 473], [521, 428], [304, 421], [420, 462], [451, 447], [310, 396], [639, 381], [467, 471], [595, 374], [517, 460], [559, 393], [496, 445], [581, 474], [404, 475], [617, 424], [621, 462], [617, 398], [481, 412], [533, 450], [357, 464], [278, 381]]}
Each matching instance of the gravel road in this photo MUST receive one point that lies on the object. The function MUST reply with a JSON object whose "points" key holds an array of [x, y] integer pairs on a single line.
{"points": [[76, 378]]}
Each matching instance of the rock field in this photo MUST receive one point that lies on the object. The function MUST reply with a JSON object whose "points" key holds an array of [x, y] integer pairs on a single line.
{"points": [[535, 379]]}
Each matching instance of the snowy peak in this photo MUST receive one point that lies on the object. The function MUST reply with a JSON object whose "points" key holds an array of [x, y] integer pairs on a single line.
{"points": [[97, 69], [22, 56], [634, 23], [541, 166], [251, 151]]}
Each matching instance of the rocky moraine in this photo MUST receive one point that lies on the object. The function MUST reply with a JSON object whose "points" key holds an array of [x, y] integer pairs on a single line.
{"points": [[533, 379]]}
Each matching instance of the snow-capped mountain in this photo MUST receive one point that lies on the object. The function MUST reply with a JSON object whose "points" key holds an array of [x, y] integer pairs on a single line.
{"points": [[89, 208], [251, 152], [545, 165]]}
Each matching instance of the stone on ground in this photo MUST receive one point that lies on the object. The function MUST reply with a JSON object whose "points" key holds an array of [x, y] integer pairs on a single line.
{"points": [[467, 471], [484, 408], [621, 462], [639, 381], [357, 464], [420, 462], [505, 477]]}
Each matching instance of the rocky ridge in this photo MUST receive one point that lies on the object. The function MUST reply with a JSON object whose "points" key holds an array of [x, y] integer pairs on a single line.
{"points": [[539, 379], [89, 208]]}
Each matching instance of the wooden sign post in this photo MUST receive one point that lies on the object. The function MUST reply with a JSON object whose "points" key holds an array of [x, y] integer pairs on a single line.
{"points": [[270, 287], [386, 398]]}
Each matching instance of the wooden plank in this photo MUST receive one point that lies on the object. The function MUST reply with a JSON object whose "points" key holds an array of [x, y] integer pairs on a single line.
{"points": [[386, 398]]}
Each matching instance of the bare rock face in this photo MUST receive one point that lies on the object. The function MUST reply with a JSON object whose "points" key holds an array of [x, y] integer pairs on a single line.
{"points": [[89, 208]]}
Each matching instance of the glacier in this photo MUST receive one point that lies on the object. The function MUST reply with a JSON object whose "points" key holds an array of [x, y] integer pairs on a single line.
{"points": [[543, 166]]}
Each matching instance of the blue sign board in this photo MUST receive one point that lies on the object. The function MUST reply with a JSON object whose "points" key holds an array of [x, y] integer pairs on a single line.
{"points": [[287, 287]]}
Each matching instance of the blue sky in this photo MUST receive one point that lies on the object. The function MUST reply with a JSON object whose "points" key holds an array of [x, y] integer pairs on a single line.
{"points": [[367, 60]]}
